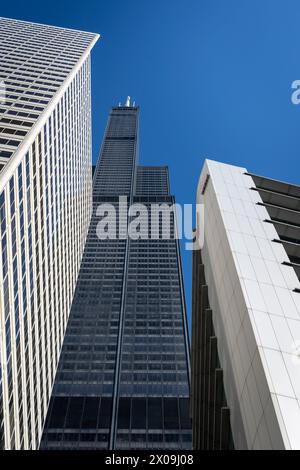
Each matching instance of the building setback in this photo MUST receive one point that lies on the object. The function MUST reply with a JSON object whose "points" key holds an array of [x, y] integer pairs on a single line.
{"points": [[123, 376], [45, 194], [246, 312]]}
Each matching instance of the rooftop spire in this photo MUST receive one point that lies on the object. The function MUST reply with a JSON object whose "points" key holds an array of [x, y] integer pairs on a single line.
{"points": [[128, 102]]}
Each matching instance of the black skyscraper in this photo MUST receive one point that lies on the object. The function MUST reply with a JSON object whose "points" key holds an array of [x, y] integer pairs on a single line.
{"points": [[123, 376]]}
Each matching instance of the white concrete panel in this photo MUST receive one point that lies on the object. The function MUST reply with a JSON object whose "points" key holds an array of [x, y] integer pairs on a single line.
{"points": [[278, 372], [271, 299], [282, 332], [291, 416], [292, 363], [265, 330], [257, 310]]}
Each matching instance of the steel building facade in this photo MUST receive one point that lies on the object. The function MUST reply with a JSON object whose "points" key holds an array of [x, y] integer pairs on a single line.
{"points": [[123, 377]]}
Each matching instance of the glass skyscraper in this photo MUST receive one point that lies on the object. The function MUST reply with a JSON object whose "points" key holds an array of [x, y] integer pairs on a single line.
{"points": [[45, 210], [123, 375]]}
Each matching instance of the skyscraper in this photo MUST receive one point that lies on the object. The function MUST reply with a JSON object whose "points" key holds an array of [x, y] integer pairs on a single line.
{"points": [[45, 195], [123, 376], [246, 312]]}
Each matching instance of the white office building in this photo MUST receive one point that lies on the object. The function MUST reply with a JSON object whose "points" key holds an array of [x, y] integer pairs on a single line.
{"points": [[45, 209], [246, 363]]}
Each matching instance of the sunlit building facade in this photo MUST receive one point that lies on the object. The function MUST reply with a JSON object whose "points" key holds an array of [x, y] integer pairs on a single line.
{"points": [[45, 210], [246, 312]]}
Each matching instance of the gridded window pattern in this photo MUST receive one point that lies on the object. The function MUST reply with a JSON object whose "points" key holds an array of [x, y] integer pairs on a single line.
{"points": [[45, 212], [152, 181], [114, 175], [89, 352], [88, 359], [78, 422], [123, 376], [87, 367], [154, 359], [35, 60], [154, 422]]}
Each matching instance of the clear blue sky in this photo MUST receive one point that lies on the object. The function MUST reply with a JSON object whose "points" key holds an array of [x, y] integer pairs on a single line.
{"points": [[212, 78]]}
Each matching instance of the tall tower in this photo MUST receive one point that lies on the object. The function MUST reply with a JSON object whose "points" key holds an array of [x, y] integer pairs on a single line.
{"points": [[123, 377], [45, 194]]}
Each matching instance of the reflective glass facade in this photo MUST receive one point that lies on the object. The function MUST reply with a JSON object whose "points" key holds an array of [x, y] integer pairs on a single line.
{"points": [[123, 376], [45, 194]]}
